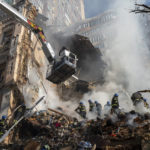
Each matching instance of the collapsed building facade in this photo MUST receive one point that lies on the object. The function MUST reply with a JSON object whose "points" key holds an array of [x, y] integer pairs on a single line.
{"points": [[22, 74]]}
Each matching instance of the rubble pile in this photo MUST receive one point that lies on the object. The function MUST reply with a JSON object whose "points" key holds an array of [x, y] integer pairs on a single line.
{"points": [[53, 130], [57, 131], [22, 129]]}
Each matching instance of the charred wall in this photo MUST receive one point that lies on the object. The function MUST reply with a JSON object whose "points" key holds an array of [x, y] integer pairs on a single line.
{"points": [[90, 64]]}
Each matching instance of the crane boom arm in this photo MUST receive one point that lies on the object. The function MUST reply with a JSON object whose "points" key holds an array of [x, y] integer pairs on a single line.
{"points": [[61, 69], [47, 48]]}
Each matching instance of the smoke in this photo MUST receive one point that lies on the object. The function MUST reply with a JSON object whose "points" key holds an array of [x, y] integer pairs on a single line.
{"points": [[127, 58], [131, 118], [37, 87]]}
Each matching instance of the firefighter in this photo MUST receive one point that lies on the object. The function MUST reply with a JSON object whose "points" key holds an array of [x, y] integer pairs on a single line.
{"points": [[107, 104], [2, 121], [98, 108], [107, 108], [2, 125], [115, 103], [146, 105], [1, 132], [136, 98], [81, 110], [91, 105]]}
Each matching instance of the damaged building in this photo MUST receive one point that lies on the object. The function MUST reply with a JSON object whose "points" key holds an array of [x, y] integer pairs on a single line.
{"points": [[18, 55], [99, 29], [23, 85], [96, 35]]}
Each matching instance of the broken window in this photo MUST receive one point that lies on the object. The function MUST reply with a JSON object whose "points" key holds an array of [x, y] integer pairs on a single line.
{"points": [[1, 75], [7, 37]]}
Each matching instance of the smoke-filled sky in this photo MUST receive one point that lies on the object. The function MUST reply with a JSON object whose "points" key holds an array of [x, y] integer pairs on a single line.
{"points": [[127, 59], [95, 7], [128, 56]]}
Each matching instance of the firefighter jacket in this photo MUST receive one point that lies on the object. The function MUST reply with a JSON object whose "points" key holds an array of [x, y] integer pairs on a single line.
{"points": [[91, 106], [2, 123], [115, 102], [99, 107], [81, 108]]}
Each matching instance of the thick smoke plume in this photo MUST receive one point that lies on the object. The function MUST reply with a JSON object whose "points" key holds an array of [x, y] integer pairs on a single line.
{"points": [[127, 72], [127, 59]]}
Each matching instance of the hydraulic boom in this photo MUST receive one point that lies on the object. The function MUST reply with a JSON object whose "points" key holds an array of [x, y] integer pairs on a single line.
{"points": [[62, 69], [48, 50]]}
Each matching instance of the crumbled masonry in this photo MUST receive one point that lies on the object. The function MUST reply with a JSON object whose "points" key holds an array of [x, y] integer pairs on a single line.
{"points": [[23, 68], [62, 132]]}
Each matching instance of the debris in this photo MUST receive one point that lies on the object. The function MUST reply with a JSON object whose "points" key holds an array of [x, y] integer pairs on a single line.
{"points": [[53, 129], [91, 106], [27, 113]]}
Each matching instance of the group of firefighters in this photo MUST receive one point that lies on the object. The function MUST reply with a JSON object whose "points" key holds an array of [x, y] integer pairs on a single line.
{"points": [[113, 105], [94, 107], [82, 109]]}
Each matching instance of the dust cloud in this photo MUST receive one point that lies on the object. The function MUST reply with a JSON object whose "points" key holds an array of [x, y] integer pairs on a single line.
{"points": [[126, 72], [127, 59]]}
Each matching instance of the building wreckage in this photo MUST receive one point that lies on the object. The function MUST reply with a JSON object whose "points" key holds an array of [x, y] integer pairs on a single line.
{"points": [[53, 129]]}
